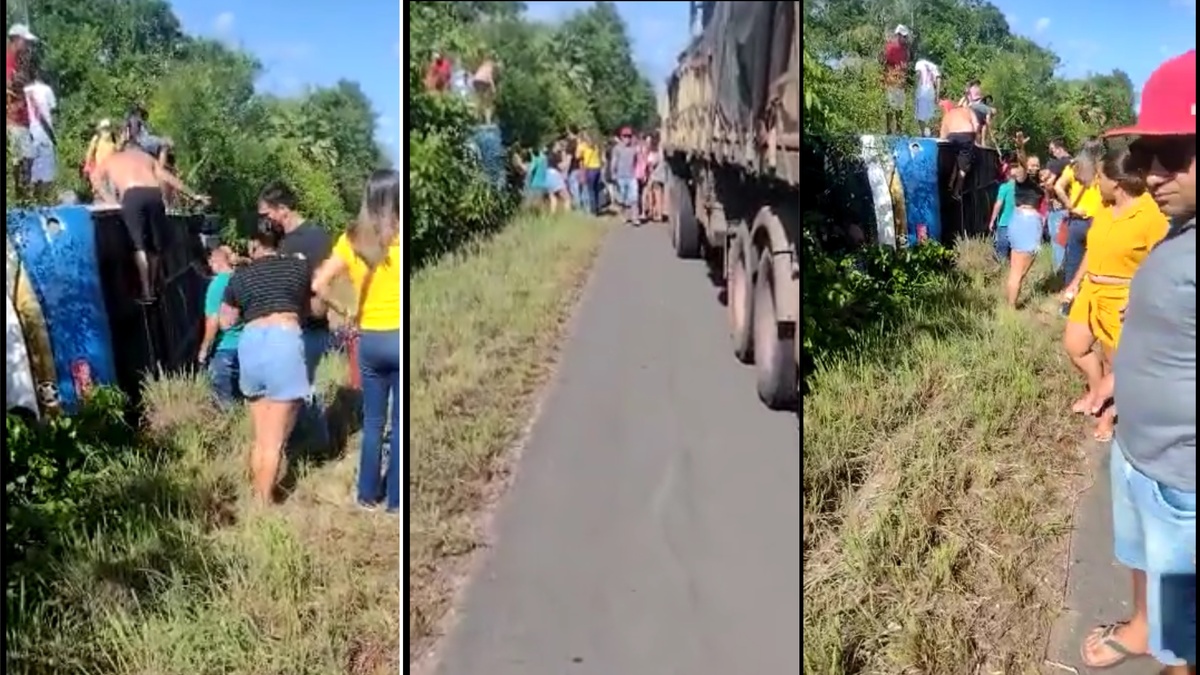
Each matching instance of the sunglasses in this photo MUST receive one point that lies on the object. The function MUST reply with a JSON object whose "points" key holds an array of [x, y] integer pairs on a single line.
{"points": [[1173, 153]]}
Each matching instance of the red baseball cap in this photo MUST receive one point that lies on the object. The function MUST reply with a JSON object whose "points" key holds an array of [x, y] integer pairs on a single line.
{"points": [[1168, 106]]}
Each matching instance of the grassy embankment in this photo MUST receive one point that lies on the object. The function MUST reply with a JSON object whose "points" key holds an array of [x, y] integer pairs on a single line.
{"points": [[177, 573], [483, 333], [939, 478]]}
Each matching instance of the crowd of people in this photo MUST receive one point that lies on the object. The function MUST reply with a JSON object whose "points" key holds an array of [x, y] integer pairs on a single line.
{"points": [[267, 330], [579, 172], [1120, 216], [267, 325]]}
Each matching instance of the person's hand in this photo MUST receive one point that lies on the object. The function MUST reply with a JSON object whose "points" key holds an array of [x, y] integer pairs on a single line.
{"points": [[202, 357], [1020, 139], [1068, 294], [991, 227]]}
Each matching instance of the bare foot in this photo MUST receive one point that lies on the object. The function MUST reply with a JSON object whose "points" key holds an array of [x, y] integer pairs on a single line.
{"points": [[1104, 429], [1083, 405], [1108, 645]]}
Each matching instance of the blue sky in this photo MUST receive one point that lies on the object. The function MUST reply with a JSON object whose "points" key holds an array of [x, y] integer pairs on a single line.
{"points": [[313, 43], [659, 30], [304, 43], [1134, 36]]}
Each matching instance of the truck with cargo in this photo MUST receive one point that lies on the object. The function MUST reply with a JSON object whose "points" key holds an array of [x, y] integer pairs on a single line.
{"points": [[731, 140]]}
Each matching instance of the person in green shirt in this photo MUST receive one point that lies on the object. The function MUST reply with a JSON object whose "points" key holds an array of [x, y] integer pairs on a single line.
{"points": [[219, 348]]}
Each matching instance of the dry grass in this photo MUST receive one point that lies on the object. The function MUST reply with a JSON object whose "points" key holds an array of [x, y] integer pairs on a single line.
{"points": [[185, 576], [483, 327], [938, 489]]}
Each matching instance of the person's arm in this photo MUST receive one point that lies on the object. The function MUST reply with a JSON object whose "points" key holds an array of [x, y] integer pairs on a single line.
{"points": [[1062, 187], [212, 320], [996, 210], [333, 267], [1072, 288], [1001, 197], [173, 182]]}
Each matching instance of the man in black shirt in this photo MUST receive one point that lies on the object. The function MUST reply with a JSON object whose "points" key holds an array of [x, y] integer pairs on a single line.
{"points": [[1060, 158], [304, 239]]}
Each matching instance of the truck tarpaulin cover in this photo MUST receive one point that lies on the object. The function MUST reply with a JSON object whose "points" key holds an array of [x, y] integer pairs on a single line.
{"points": [[750, 44]]}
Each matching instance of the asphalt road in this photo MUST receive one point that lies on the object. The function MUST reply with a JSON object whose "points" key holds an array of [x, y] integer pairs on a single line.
{"points": [[654, 524]]}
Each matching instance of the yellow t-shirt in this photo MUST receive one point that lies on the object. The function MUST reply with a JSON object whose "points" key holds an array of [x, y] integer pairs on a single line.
{"points": [[588, 155], [1087, 200], [381, 309], [1117, 244]]}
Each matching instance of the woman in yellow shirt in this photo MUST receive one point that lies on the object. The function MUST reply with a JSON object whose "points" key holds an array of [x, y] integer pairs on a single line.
{"points": [[369, 254], [1077, 189], [102, 144], [1122, 233]]}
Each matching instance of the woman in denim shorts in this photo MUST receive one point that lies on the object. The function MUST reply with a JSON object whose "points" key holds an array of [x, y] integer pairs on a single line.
{"points": [[268, 297]]}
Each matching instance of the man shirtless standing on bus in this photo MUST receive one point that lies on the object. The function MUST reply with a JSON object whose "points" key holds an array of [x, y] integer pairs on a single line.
{"points": [[960, 128], [135, 180]]}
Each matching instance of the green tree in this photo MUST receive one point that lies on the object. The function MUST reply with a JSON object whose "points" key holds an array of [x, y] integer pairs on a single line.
{"points": [[579, 73], [103, 57]]}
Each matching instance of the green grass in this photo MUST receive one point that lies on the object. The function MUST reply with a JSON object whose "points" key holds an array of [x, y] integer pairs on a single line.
{"points": [[483, 329], [181, 574], [940, 467], [173, 570]]}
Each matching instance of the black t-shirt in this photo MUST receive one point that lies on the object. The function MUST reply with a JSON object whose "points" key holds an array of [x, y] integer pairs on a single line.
{"points": [[274, 284], [313, 244], [1055, 166], [1028, 193], [571, 149]]}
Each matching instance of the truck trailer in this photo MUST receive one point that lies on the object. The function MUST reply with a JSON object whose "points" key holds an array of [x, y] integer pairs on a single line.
{"points": [[731, 140]]}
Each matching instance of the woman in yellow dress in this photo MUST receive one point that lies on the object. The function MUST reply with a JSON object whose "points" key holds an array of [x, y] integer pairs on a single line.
{"points": [[1121, 235]]}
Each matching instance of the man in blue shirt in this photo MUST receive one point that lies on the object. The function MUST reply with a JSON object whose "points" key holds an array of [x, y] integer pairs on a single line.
{"points": [[219, 348]]}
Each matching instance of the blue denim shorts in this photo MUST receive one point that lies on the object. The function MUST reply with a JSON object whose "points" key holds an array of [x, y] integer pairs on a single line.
{"points": [[1154, 530], [627, 191], [1025, 231], [272, 364]]}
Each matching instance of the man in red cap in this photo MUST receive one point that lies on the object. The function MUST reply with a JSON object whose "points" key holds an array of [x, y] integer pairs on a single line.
{"points": [[1153, 386]]}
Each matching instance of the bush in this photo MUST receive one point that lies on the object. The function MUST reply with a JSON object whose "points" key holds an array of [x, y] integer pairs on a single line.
{"points": [[847, 294], [577, 73], [51, 468]]}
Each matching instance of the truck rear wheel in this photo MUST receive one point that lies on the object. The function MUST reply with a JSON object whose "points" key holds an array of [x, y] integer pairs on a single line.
{"points": [[739, 297], [773, 354], [685, 229]]}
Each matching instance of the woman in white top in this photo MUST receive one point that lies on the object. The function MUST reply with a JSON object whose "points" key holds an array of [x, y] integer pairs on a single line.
{"points": [[929, 81]]}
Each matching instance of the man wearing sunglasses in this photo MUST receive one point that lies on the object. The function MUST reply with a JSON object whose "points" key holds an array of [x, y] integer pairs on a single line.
{"points": [[1153, 385]]}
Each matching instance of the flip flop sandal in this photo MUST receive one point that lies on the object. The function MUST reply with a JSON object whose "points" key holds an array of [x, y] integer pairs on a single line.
{"points": [[1102, 437], [1105, 635]]}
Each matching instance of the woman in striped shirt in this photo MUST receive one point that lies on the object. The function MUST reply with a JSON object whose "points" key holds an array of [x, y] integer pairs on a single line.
{"points": [[268, 297]]}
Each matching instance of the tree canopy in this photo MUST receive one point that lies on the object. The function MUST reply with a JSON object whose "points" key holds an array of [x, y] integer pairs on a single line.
{"points": [[103, 57], [578, 73], [968, 39]]}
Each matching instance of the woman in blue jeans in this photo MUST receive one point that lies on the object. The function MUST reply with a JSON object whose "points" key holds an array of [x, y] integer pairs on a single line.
{"points": [[369, 253], [268, 297]]}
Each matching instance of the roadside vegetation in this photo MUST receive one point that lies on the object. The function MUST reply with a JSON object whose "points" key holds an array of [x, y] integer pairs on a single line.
{"points": [[131, 546], [940, 462]]}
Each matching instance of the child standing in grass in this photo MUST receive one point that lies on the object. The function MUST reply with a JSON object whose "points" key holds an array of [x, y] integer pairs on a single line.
{"points": [[218, 348]]}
